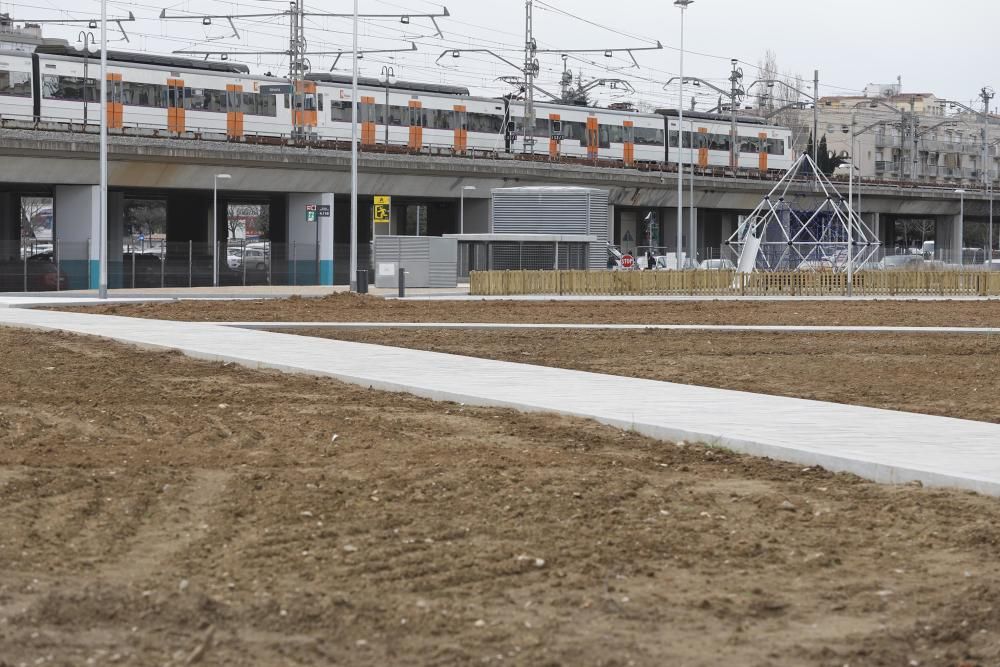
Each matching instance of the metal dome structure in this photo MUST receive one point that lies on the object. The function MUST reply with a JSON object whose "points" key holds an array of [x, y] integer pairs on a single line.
{"points": [[790, 231]]}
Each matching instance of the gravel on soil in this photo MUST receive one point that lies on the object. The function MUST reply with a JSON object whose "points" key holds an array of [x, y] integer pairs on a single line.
{"points": [[354, 308], [163, 511], [946, 375]]}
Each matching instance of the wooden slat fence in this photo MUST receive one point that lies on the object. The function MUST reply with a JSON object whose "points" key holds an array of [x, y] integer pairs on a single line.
{"points": [[727, 283]]}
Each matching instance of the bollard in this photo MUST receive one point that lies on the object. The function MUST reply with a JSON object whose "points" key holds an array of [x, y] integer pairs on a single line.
{"points": [[402, 283], [362, 281]]}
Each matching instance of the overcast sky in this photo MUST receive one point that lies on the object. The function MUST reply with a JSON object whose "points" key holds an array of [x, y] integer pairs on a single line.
{"points": [[946, 49]]}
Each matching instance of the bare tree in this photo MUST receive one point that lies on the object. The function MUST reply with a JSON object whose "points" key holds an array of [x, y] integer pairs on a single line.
{"points": [[767, 70], [36, 217]]}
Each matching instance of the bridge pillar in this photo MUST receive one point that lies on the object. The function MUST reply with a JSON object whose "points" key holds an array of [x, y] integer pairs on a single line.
{"points": [[948, 238], [10, 226], [477, 216], [77, 228], [313, 241]]}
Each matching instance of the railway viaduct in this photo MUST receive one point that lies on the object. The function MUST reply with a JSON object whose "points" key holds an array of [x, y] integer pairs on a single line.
{"points": [[64, 166]]}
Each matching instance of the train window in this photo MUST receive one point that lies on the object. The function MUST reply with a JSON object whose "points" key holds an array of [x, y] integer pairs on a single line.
{"points": [[776, 146], [485, 123], [340, 112], [396, 115], [15, 84], [604, 136], [542, 126], [415, 117], [320, 97], [438, 119], [616, 133], [648, 136]]}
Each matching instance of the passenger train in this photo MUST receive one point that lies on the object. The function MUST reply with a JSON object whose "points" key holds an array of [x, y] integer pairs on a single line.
{"points": [[159, 94]]}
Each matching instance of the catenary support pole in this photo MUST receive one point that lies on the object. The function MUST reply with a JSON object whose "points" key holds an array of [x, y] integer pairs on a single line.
{"points": [[354, 154], [682, 4], [102, 242]]}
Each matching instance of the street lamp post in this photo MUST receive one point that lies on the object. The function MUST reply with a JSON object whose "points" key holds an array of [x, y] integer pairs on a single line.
{"points": [[682, 5], [354, 154], [461, 213], [961, 225], [387, 73], [87, 39], [215, 226], [102, 252]]}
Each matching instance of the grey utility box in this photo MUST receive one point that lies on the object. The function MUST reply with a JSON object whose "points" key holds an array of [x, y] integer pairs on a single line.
{"points": [[555, 210], [429, 261]]}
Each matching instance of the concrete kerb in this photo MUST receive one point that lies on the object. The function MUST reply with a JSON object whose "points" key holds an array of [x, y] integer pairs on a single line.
{"points": [[703, 328]]}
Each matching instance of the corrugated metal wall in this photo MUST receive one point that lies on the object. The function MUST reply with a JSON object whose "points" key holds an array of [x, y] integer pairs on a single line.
{"points": [[554, 211], [429, 261]]}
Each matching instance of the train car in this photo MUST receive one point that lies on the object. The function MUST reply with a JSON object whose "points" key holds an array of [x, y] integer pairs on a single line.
{"points": [[154, 92], [183, 97], [707, 141], [16, 88]]}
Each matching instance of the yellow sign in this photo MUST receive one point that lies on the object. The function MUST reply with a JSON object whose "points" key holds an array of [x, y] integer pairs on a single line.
{"points": [[381, 210]]}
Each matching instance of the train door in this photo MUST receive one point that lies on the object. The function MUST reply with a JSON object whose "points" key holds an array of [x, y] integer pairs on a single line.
{"points": [[555, 135], [367, 112], [593, 137], [116, 110], [416, 118], [461, 129], [176, 116], [304, 113], [702, 147], [628, 138], [234, 112], [762, 152]]}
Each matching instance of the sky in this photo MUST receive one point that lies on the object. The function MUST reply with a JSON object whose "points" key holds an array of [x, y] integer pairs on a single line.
{"points": [[942, 49]]}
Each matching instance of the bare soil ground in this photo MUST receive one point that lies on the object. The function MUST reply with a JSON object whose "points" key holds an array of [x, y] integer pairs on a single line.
{"points": [[949, 375], [162, 511], [353, 308]]}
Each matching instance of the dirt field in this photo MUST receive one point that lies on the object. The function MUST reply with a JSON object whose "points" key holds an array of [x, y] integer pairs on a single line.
{"points": [[162, 511], [353, 308], [954, 376]]}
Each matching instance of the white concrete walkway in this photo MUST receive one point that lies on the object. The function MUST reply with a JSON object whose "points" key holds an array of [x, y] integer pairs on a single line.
{"points": [[877, 444], [499, 326]]}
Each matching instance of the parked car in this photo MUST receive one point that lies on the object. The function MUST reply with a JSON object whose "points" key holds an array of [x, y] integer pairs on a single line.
{"points": [[148, 269], [718, 265], [902, 263], [42, 274], [256, 259]]}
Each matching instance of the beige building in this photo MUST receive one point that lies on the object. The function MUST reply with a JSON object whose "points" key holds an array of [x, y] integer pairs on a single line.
{"points": [[905, 136]]}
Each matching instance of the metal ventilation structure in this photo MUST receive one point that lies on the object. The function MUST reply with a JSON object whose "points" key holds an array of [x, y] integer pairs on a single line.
{"points": [[789, 231]]}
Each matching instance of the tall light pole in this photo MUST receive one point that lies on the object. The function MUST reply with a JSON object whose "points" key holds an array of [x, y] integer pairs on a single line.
{"points": [[461, 213], [354, 153], [87, 39], [102, 252], [215, 226], [682, 5], [961, 226]]}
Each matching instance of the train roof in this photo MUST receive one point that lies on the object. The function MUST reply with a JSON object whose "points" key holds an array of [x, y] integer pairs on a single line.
{"points": [[146, 59], [701, 115], [415, 86]]}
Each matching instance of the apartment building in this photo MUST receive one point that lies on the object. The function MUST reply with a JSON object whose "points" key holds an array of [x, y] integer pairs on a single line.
{"points": [[904, 136]]}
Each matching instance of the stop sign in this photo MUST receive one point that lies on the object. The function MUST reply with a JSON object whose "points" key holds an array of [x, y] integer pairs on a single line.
{"points": [[628, 261]]}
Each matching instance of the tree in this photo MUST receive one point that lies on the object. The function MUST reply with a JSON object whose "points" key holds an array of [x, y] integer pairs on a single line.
{"points": [[574, 96], [767, 67], [826, 162]]}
